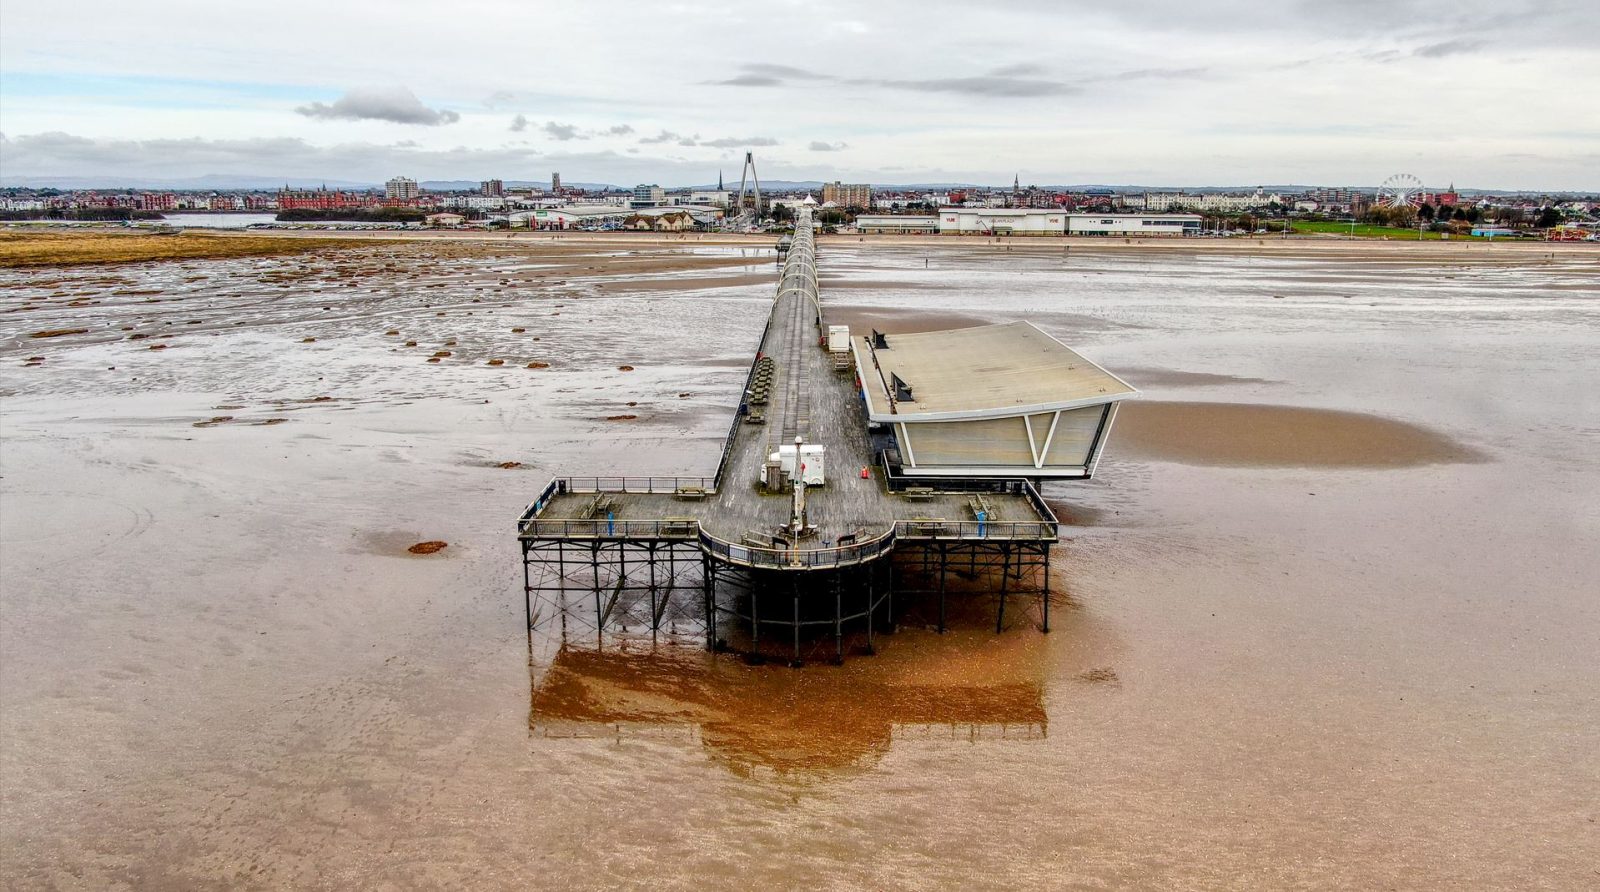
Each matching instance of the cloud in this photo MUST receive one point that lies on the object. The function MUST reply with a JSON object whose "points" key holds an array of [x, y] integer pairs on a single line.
{"points": [[57, 156], [733, 142], [750, 80], [990, 86], [618, 130], [1021, 69], [1139, 74], [397, 105], [1020, 80], [766, 74], [725, 142], [519, 123], [1448, 48], [562, 132], [819, 146], [789, 71]]}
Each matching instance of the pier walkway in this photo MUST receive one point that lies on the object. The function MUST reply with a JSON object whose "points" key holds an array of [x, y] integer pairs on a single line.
{"points": [[735, 520]]}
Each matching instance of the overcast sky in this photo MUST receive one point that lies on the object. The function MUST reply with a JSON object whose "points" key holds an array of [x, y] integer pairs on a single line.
{"points": [[1482, 94]]}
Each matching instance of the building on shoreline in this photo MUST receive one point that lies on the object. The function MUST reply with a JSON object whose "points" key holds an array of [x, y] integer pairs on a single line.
{"points": [[401, 189], [1030, 222], [897, 224], [647, 195], [847, 195], [322, 199]]}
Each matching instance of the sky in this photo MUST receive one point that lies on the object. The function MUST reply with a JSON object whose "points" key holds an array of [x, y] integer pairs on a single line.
{"points": [[1493, 95]]}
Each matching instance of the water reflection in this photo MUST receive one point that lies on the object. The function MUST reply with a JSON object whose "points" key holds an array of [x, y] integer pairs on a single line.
{"points": [[962, 686]]}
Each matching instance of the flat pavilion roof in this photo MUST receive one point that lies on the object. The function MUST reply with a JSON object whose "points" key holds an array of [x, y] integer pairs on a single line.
{"points": [[986, 371]]}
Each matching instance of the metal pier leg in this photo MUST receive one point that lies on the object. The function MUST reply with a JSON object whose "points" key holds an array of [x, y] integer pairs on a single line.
{"points": [[527, 588], [838, 623], [594, 564], [622, 580], [888, 613], [796, 623], [755, 622], [708, 589], [944, 556], [655, 618], [1005, 577], [561, 585], [1047, 589], [871, 609]]}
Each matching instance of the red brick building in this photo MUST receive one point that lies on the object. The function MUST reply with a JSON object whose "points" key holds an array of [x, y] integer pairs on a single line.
{"points": [[323, 199]]}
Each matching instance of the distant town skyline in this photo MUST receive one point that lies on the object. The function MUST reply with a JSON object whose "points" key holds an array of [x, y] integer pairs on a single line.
{"points": [[1485, 95]]}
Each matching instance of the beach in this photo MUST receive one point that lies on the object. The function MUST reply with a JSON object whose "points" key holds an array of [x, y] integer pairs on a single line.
{"points": [[1325, 614]]}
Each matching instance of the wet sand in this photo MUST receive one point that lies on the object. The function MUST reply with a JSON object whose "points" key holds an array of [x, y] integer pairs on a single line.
{"points": [[1277, 659], [1258, 436]]}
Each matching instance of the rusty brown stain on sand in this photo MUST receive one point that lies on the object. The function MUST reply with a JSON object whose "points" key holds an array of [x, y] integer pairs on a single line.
{"points": [[432, 546]]}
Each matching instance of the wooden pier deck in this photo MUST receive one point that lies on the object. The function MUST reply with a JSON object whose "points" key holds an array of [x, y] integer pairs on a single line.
{"points": [[736, 520]]}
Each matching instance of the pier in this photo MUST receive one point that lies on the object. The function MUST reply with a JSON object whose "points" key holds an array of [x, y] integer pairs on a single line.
{"points": [[754, 559]]}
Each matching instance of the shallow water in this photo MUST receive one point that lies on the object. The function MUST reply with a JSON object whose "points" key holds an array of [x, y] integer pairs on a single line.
{"points": [[221, 666]]}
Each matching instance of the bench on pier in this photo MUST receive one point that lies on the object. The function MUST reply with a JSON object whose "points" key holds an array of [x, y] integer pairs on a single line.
{"points": [[599, 506], [980, 506], [918, 493], [925, 526], [690, 493], [755, 418], [763, 539], [851, 537], [678, 526]]}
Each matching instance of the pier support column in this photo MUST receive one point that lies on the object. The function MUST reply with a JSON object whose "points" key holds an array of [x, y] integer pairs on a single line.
{"points": [[871, 609], [655, 618], [1005, 577], [527, 589], [944, 558], [1046, 629], [708, 591], [594, 566], [796, 586], [888, 615], [838, 624]]}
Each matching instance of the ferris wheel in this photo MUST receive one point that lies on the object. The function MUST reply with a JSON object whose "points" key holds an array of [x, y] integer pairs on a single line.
{"points": [[1399, 190]]}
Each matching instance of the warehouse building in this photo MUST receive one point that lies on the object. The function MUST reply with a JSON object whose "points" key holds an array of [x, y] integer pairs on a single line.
{"points": [[1002, 221], [1032, 221], [897, 223], [1133, 224]]}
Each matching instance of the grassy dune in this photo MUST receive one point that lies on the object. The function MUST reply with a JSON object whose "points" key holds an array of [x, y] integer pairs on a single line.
{"points": [[84, 248]]}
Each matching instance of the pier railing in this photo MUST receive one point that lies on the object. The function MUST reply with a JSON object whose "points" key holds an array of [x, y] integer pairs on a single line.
{"points": [[663, 485], [799, 558], [1030, 530], [557, 528], [700, 486]]}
